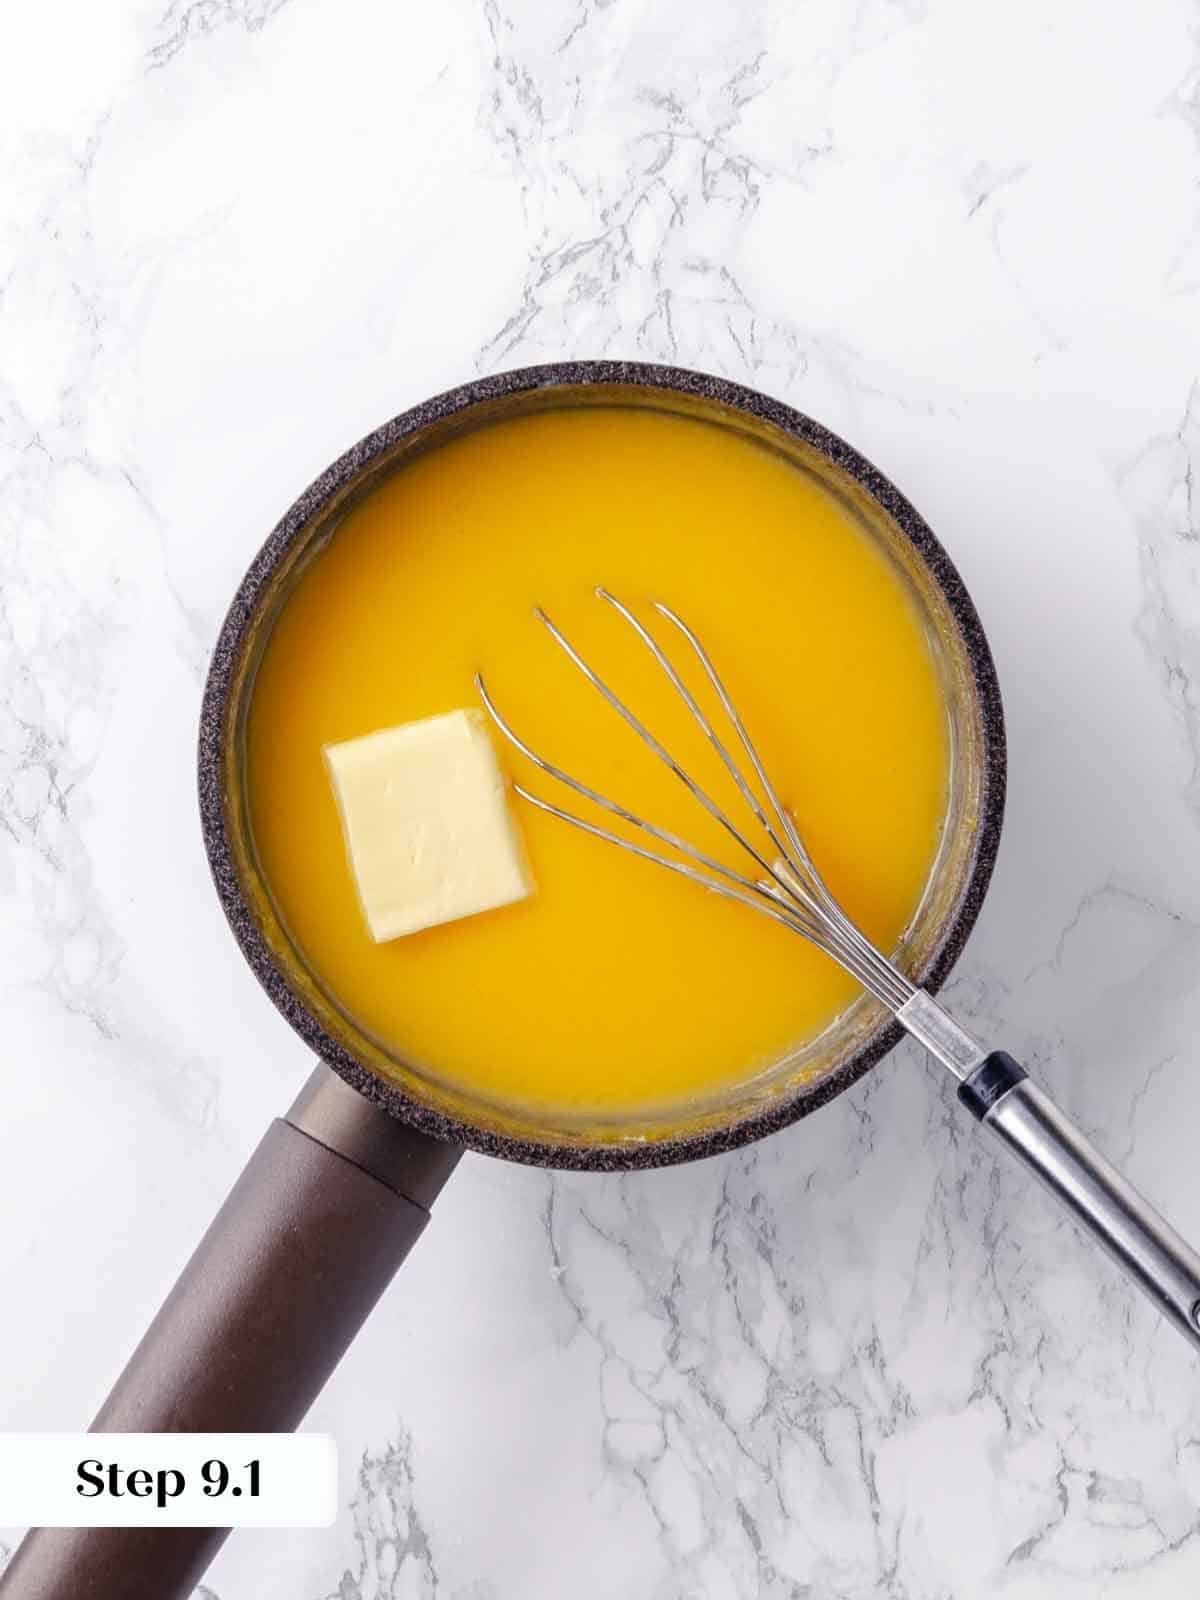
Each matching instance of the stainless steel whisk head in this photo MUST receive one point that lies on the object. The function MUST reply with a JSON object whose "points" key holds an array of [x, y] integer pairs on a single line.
{"points": [[791, 890]]}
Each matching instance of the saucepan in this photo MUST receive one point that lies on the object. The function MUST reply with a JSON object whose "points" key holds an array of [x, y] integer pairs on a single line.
{"points": [[340, 1188]]}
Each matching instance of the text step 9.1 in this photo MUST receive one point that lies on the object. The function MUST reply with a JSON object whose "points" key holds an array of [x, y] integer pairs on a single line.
{"points": [[168, 1480]]}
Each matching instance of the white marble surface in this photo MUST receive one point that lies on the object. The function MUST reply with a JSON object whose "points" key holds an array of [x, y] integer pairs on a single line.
{"points": [[860, 1359]]}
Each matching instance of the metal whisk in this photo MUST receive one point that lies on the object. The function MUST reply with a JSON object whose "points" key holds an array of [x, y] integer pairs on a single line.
{"points": [[792, 890], [789, 888]]}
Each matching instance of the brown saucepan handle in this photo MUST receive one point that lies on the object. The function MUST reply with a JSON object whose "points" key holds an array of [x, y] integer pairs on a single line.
{"points": [[325, 1211]]}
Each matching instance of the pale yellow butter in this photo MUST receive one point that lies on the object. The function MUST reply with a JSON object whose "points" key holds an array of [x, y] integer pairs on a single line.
{"points": [[427, 824]]}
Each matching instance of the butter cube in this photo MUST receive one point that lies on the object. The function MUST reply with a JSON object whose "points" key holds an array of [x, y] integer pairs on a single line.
{"points": [[427, 824]]}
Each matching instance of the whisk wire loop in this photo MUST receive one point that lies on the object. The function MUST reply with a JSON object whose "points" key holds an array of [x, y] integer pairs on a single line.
{"points": [[792, 891]]}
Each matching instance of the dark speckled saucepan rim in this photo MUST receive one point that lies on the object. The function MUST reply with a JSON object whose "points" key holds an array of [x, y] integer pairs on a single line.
{"points": [[218, 706]]}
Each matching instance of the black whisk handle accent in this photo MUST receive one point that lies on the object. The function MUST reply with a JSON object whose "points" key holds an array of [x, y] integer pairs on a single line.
{"points": [[990, 1081]]}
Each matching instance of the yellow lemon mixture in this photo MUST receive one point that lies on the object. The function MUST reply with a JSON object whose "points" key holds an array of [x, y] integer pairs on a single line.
{"points": [[617, 988]]}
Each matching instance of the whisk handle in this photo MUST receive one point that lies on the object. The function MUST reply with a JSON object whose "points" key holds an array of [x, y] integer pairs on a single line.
{"points": [[1105, 1204]]}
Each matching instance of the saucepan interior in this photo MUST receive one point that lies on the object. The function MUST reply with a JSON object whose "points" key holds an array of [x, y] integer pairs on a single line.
{"points": [[864, 1031]]}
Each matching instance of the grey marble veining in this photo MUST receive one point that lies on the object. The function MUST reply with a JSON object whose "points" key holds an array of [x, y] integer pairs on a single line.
{"points": [[863, 1358]]}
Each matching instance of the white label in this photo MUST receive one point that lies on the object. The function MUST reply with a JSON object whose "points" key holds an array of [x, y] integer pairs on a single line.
{"points": [[168, 1480]]}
